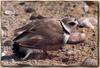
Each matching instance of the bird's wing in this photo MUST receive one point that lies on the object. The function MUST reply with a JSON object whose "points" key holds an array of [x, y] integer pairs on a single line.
{"points": [[28, 26], [24, 28], [29, 40]]}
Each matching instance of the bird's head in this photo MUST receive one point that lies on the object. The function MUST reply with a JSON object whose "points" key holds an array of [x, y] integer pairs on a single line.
{"points": [[69, 24]]}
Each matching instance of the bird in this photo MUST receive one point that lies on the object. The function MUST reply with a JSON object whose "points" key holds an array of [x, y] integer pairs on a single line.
{"points": [[43, 33]]}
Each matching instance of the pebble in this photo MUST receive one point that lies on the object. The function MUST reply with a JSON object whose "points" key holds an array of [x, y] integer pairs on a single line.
{"points": [[86, 7], [89, 22], [70, 52], [29, 10], [89, 62], [76, 38], [2, 32], [65, 60], [9, 12], [13, 61], [3, 53]]}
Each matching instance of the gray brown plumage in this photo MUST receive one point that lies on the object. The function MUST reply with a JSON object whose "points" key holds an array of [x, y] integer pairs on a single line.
{"points": [[44, 34]]}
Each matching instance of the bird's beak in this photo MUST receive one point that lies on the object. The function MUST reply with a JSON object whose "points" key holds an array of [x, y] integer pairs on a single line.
{"points": [[76, 24]]}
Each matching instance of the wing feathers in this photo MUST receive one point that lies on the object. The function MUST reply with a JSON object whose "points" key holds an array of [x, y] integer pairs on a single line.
{"points": [[24, 28], [30, 41]]}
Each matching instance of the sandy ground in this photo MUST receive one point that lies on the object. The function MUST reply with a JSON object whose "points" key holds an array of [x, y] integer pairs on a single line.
{"points": [[73, 54]]}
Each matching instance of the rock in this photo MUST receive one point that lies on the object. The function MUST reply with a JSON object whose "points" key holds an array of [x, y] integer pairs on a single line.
{"points": [[3, 53], [90, 62], [9, 12], [65, 60], [89, 22], [29, 10], [2, 32], [86, 7], [13, 61], [71, 52], [76, 38], [93, 48]]}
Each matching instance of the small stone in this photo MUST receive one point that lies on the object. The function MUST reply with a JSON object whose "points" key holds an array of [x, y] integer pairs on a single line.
{"points": [[92, 49], [29, 10], [93, 34], [2, 32], [65, 60], [13, 61], [90, 62], [3, 53], [85, 7], [9, 12], [16, 14], [89, 22], [70, 52], [74, 5], [76, 38]]}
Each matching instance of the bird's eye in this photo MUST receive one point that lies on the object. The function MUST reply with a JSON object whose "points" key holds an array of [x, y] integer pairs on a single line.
{"points": [[71, 23]]}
